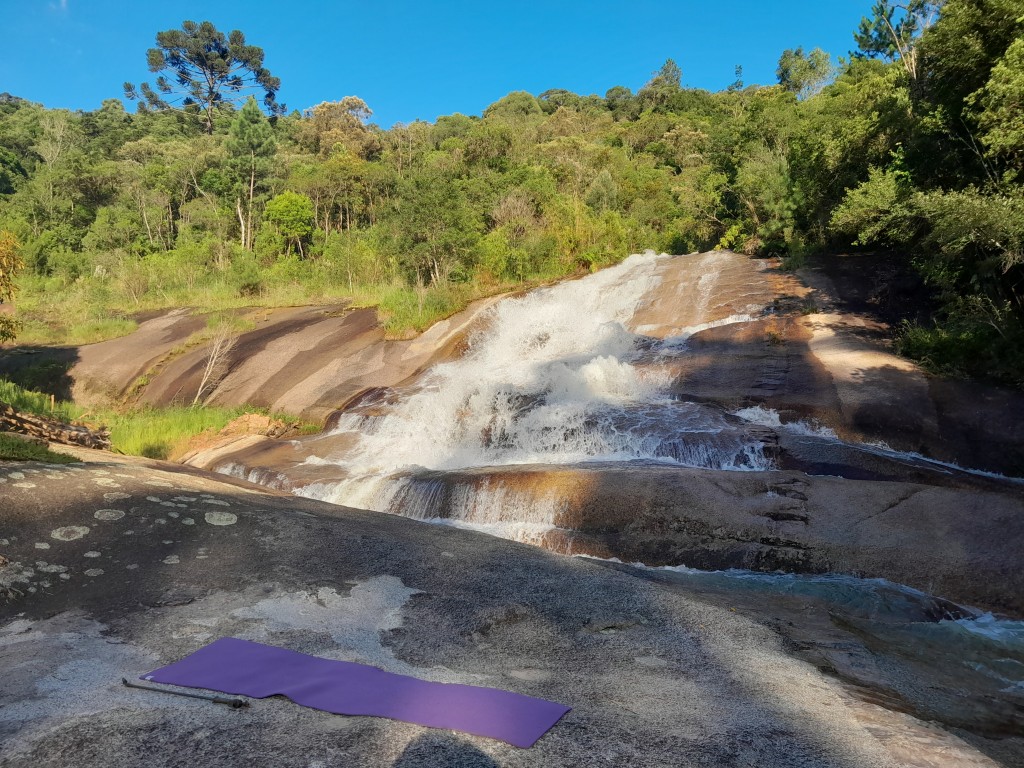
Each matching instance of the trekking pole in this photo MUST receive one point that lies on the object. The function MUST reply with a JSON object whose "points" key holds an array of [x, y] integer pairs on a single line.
{"points": [[233, 703]]}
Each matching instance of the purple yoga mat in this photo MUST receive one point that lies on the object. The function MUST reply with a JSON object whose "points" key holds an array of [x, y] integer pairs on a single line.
{"points": [[344, 688]]}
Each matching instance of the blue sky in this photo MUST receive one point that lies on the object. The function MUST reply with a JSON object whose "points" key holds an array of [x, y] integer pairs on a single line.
{"points": [[418, 60]]}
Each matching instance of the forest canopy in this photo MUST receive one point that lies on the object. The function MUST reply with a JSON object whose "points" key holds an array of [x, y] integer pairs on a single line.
{"points": [[912, 146]]}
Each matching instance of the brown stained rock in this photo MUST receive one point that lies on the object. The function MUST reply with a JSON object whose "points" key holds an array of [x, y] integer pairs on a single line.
{"points": [[305, 361], [105, 371], [962, 543], [699, 289], [737, 366]]}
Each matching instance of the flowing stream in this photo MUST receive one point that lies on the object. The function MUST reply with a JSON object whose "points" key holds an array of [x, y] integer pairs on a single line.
{"points": [[580, 373], [559, 376]]}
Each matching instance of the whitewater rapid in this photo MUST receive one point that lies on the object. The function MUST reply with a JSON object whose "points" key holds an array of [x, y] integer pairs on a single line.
{"points": [[580, 373], [557, 376]]}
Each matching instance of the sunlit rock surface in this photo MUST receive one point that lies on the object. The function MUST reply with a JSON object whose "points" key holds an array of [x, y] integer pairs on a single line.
{"points": [[643, 413]]}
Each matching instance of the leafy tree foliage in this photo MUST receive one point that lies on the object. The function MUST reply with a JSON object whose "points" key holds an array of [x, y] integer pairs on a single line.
{"points": [[331, 125], [11, 171], [804, 74], [662, 87], [435, 227], [517, 104], [880, 211], [204, 71], [10, 262], [292, 215], [1002, 115], [914, 145]]}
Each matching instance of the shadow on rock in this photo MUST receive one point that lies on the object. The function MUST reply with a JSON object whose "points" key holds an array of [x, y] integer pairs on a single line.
{"points": [[443, 749], [44, 369]]}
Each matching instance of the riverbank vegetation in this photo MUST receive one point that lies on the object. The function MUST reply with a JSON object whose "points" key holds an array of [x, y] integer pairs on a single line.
{"points": [[156, 433], [912, 144], [14, 448]]}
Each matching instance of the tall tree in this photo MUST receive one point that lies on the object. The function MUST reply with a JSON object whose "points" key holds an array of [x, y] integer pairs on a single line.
{"points": [[435, 227], [804, 73], [331, 123], [665, 84], [958, 56], [204, 71], [893, 30], [251, 147], [1002, 116], [293, 216]]}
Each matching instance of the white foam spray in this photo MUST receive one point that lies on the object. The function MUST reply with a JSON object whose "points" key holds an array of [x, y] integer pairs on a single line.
{"points": [[557, 377]]}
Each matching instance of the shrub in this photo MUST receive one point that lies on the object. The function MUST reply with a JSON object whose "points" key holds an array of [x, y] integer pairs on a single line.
{"points": [[880, 211]]}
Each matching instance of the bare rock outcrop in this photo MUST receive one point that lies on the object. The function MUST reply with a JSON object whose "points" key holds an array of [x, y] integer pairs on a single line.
{"points": [[961, 543], [120, 567]]}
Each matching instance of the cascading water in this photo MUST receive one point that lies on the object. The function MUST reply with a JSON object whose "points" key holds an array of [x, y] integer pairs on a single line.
{"points": [[580, 373], [557, 377]]}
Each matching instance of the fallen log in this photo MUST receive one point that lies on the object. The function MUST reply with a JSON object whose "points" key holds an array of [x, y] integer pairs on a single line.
{"points": [[52, 430]]}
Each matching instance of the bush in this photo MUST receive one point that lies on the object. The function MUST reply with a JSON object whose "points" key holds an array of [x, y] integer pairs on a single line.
{"points": [[972, 337], [880, 211], [245, 274], [974, 240]]}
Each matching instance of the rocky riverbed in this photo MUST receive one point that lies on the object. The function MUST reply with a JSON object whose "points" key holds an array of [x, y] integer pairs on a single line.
{"points": [[858, 523]]}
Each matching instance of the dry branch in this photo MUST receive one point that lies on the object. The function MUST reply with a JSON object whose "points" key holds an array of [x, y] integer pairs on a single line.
{"points": [[52, 430]]}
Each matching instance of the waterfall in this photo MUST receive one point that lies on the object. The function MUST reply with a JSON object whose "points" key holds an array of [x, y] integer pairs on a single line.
{"points": [[557, 376]]}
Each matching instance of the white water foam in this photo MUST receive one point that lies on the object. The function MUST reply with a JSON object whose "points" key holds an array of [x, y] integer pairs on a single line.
{"points": [[557, 378], [1004, 631], [676, 343], [769, 417], [527, 533]]}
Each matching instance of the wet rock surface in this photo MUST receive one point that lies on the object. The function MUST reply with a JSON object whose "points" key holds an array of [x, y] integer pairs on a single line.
{"points": [[963, 543], [760, 370], [658, 674]]}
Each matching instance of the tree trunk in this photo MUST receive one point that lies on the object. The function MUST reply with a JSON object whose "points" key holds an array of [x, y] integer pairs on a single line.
{"points": [[241, 219], [252, 197], [145, 220]]}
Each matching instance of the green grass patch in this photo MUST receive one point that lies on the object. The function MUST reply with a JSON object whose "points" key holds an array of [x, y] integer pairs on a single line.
{"points": [[152, 432], [157, 432], [49, 377], [38, 403], [15, 449], [406, 311], [39, 331]]}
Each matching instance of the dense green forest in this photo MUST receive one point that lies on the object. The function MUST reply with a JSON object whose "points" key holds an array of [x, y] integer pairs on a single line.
{"points": [[912, 145]]}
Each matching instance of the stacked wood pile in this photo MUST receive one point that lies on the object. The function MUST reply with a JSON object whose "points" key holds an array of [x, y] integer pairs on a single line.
{"points": [[52, 430]]}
